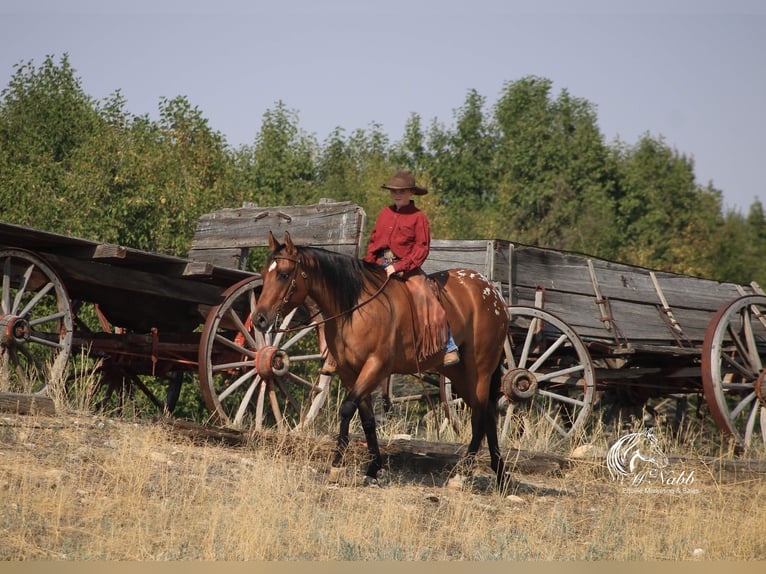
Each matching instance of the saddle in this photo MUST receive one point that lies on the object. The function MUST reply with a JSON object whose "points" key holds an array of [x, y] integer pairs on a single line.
{"points": [[428, 315]]}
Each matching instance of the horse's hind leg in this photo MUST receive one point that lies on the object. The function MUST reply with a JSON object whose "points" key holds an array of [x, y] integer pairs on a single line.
{"points": [[477, 435], [493, 445]]}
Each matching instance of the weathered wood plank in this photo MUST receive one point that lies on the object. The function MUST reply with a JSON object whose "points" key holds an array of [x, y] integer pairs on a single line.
{"points": [[332, 225], [25, 404], [122, 279]]}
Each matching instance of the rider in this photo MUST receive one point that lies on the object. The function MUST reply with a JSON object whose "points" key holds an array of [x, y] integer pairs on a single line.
{"points": [[400, 242], [401, 239]]}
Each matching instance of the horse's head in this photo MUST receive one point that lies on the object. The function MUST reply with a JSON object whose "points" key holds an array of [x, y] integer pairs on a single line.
{"points": [[284, 283]]}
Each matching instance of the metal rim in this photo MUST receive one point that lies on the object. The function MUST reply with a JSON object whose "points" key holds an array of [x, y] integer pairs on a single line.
{"points": [[733, 358], [250, 379], [36, 323], [542, 348]]}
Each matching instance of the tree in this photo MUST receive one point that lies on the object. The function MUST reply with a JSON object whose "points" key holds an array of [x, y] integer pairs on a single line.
{"points": [[44, 117], [554, 176], [280, 167], [661, 210]]}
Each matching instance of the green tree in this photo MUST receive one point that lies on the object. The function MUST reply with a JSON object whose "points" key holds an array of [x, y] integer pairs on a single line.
{"points": [[279, 168], [554, 175], [411, 150], [661, 210], [44, 118]]}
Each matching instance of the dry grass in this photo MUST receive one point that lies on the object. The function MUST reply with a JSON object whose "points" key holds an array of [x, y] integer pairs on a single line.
{"points": [[79, 487]]}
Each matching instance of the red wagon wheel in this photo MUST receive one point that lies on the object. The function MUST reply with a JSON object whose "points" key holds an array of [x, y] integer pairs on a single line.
{"points": [[548, 379], [733, 373], [250, 379], [36, 323]]}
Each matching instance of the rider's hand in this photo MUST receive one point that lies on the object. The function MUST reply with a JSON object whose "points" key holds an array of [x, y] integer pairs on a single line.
{"points": [[390, 270]]}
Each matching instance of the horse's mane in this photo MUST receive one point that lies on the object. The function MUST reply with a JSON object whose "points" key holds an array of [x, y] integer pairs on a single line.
{"points": [[348, 277]]}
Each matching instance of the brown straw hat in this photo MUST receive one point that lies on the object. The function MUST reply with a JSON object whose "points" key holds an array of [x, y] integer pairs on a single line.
{"points": [[403, 179]]}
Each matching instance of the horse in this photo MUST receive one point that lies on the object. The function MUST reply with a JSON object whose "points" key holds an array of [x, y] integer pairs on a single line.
{"points": [[370, 330]]}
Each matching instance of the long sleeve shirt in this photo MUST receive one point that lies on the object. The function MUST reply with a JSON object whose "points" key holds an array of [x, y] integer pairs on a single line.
{"points": [[406, 232]]}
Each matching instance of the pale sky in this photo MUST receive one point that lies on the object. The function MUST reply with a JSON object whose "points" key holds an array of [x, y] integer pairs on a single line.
{"points": [[690, 71]]}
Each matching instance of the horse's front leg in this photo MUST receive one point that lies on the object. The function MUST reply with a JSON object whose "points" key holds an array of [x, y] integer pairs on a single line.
{"points": [[368, 424], [347, 409]]}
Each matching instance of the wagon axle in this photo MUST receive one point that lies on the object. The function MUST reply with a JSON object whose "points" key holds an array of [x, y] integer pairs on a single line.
{"points": [[519, 385], [760, 387], [14, 330], [271, 362]]}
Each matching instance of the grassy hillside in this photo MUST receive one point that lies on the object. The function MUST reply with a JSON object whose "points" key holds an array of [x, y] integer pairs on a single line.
{"points": [[82, 487]]}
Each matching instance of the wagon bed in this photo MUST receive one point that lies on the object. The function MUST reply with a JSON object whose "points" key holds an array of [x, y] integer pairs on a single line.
{"points": [[635, 333], [156, 315]]}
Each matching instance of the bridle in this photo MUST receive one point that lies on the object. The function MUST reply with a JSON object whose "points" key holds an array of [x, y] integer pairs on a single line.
{"points": [[293, 286]]}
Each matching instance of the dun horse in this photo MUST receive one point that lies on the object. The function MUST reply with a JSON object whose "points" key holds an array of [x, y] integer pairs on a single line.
{"points": [[370, 331]]}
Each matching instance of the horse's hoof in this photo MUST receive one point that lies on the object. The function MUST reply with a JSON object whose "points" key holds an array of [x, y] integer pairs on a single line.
{"points": [[371, 481], [336, 473]]}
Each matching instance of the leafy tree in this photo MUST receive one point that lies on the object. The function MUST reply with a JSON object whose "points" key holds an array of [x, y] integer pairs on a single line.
{"points": [[280, 167], [554, 175], [464, 158], [44, 117], [660, 208], [411, 150]]}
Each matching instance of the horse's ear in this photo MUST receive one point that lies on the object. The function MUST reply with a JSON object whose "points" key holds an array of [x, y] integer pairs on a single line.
{"points": [[273, 243], [289, 245]]}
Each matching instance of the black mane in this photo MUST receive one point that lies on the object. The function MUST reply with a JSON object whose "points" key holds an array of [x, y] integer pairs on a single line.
{"points": [[344, 274]]}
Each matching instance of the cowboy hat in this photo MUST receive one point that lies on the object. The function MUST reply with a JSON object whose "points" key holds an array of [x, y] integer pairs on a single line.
{"points": [[403, 179]]}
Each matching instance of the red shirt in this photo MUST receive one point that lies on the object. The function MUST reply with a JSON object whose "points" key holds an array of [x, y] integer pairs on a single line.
{"points": [[406, 232]]}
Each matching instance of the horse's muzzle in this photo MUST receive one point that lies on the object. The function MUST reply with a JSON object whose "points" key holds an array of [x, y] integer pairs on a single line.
{"points": [[260, 321]]}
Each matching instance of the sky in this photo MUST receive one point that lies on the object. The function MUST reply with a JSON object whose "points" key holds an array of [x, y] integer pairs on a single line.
{"points": [[692, 72]]}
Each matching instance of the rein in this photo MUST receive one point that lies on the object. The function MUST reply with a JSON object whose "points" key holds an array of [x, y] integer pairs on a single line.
{"points": [[294, 285]]}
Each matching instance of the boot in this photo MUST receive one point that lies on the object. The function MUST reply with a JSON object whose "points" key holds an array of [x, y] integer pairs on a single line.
{"points": [[451, 358]]}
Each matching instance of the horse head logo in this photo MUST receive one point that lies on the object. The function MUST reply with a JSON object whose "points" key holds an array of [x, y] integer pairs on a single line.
{"points": [[633, 454]]}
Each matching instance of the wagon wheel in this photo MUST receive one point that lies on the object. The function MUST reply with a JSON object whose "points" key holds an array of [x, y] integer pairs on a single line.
{"points": [[36, 323], [548, 379], [250, 379], [733, 373]]}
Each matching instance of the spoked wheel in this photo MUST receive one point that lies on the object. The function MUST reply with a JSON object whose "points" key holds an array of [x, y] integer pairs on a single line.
{"points": [[255, 380], [733, 374], [36, 323], [548, 381]]}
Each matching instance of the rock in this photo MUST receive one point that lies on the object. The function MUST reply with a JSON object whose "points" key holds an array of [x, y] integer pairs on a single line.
{"points": [[588, 451], [160, 457], [457, 482]]}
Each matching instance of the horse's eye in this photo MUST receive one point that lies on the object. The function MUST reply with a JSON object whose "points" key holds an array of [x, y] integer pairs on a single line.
{"points": [[282, 276]]}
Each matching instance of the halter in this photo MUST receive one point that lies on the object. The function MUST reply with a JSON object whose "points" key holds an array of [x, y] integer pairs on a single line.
{"points": [[291, 288]]}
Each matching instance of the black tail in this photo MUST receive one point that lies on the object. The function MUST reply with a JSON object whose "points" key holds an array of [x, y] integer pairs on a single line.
{"points": [[495, 392]]}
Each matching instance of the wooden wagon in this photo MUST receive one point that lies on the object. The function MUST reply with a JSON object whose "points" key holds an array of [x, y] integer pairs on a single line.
{"points": [[145, 314], [586, 331], [583, 330]]}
